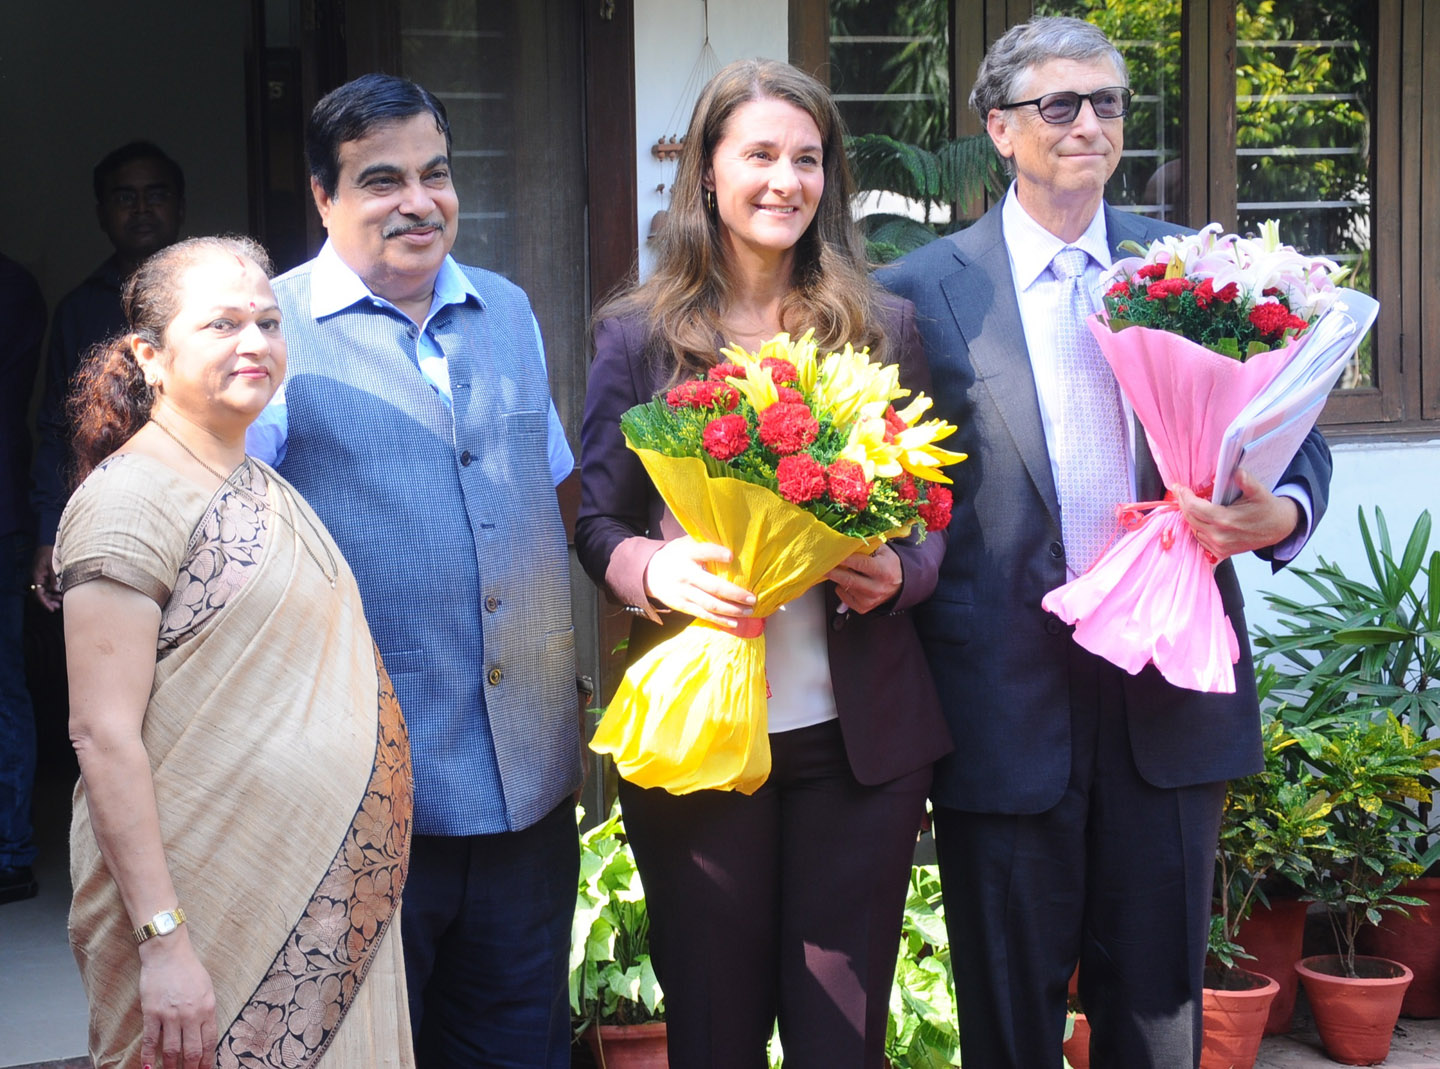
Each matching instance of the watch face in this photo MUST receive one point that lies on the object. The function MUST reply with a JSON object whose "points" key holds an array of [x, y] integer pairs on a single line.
{"points": [[164, 923]]}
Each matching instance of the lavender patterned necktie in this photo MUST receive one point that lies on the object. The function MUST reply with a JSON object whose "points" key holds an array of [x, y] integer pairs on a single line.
{"points": [[1090, 437]]}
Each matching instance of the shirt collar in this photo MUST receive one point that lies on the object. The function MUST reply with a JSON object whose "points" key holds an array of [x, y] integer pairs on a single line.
{"points": [[335, 287], [1032, 247]]}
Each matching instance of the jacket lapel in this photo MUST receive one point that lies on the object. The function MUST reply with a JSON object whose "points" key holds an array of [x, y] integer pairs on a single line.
{"points": [[981, 297]]}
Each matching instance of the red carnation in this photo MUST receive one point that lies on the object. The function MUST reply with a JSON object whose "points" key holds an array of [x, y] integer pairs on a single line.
{"points": [[1206, 294], [713, 394], [726, 437], [1272, 319], [847, 484], [893, 423], [682, 396], [1270, 291], [936, 510], [1168, 287], [801, 478], [790, 394], [1120, 289], [780, 370], [787, 427], [905, 487], [1151, 271], [727, 371]]}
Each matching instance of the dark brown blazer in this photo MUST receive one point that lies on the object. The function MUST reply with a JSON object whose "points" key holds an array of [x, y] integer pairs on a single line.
{"points": [[884, 694]]}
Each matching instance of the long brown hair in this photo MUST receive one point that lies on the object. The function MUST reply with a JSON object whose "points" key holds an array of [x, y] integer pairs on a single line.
{"points": [[110, 399], [691, 284]]}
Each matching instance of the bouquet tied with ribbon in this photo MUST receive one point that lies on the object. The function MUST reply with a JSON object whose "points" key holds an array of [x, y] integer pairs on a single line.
{"points": [[1226, 348]]}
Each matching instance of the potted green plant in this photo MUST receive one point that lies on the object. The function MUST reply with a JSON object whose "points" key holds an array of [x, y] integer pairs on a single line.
{"points": [[955, 174], [1270, 830], [615, 999], [922, 1030], [1374, 642], [1370, 767]]}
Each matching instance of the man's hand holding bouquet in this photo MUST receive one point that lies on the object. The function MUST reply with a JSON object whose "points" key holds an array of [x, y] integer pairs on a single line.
{"points": [[793, 462], [1225, 348]]}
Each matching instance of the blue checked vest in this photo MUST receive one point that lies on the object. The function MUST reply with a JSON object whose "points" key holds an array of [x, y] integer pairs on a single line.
{"points": [[451, 526]]}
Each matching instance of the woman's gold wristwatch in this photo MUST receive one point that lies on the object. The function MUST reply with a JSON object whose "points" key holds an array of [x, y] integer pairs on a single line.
{"points": [[163, 923]]}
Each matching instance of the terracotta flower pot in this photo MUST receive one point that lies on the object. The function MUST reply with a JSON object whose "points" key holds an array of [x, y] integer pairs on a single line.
{"points": [[1077, 1047], [1235, 1019], [1355, 1016], [1412, 940], [1274, 935], [628, 1046]]}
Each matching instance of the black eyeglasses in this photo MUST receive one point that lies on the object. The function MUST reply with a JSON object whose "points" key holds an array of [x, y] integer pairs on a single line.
{"points": [[1113, 102]]}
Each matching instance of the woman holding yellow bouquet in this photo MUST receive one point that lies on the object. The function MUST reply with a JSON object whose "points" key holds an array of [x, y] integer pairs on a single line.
{"points": [[785, 903]]}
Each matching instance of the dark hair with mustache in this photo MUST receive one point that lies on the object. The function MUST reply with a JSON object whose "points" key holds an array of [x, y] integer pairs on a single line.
{"points": [[110, 400], [354, 110]]}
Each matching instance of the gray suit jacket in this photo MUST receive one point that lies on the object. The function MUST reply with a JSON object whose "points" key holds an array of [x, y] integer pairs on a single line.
{"points": [[1000, 661]]}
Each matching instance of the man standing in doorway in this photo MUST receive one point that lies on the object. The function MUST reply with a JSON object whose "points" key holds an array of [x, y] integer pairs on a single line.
{"points": [[416, 418], [140, 204], [1077, 819]]}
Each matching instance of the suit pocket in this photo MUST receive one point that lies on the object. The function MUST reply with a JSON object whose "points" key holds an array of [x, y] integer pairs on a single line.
{"points": [[943, 619]]}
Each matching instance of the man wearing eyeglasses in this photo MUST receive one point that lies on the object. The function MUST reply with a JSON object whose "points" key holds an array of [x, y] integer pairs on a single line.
{"points": [[1076, 821], [140, 205]]}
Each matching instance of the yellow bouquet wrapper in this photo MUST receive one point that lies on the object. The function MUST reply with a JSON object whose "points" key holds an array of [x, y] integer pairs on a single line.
{"points": [[691, 714]]}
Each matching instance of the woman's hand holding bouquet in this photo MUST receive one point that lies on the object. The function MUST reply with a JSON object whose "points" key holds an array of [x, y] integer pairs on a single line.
{"points": [[781, 466]]}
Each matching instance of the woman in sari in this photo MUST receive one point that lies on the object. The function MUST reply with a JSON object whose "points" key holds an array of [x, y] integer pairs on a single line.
{"points": [[243, 812]]}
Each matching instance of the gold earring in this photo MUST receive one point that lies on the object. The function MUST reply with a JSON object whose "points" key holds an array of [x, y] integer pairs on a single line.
{"points": [[710, 205]]}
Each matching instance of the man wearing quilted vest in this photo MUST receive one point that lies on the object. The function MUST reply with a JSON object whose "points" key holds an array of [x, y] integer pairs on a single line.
{"points": [[416, 418]]}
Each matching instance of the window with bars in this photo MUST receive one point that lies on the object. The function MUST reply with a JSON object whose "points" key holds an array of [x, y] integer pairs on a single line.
{"points": [[1323, 114]]}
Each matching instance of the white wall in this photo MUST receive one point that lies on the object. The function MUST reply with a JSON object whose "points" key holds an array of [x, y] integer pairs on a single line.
{"points": [[1402, 478], [669, 37]]}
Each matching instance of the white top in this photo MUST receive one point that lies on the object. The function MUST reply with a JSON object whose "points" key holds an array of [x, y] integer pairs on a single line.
{"points": [[797, 664]]}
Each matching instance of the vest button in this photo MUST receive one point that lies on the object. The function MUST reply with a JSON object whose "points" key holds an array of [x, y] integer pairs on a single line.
{"points": [[465, 459], [492, 603], [1057, 550], [495, 676], [1052, 625], [837, 622]]}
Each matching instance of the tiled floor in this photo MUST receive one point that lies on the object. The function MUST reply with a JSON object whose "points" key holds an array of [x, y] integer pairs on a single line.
{"points": [[42, 1006]]}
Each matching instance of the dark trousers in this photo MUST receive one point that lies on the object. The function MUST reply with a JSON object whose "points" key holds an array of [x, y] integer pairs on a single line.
{"points": [[1116, 877], [784, 904], [17, 717], [486, 924]]}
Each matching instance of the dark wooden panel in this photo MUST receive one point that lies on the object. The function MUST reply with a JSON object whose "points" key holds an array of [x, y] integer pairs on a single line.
{"points": [[810, 37], [610, 145], [1422, 164]]}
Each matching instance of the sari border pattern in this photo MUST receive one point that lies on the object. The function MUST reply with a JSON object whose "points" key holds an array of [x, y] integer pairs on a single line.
{"points": [[295, 1011]]}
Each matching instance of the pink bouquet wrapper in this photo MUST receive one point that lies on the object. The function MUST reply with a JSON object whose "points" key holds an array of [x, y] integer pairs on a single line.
{"points": [[1151, 597]]}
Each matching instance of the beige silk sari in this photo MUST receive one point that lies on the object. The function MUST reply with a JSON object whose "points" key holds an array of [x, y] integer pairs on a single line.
{"points": [[281, 768]]}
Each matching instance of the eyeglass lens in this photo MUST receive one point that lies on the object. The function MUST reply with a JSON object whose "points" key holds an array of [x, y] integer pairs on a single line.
{"points": [[1062, 107]]}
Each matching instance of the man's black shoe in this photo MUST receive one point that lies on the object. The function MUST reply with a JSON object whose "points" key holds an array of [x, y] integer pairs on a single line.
{"points": [[17, 883]]}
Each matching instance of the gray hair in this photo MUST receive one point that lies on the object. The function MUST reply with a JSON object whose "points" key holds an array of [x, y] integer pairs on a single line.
{"points": [[1030, 44]]}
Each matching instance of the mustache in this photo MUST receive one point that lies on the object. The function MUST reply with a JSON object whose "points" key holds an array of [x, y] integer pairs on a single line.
{"points": [[405, 228]]}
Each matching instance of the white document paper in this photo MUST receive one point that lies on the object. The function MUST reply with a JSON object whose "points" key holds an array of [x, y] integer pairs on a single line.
{"points": [[1264, 437]]}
